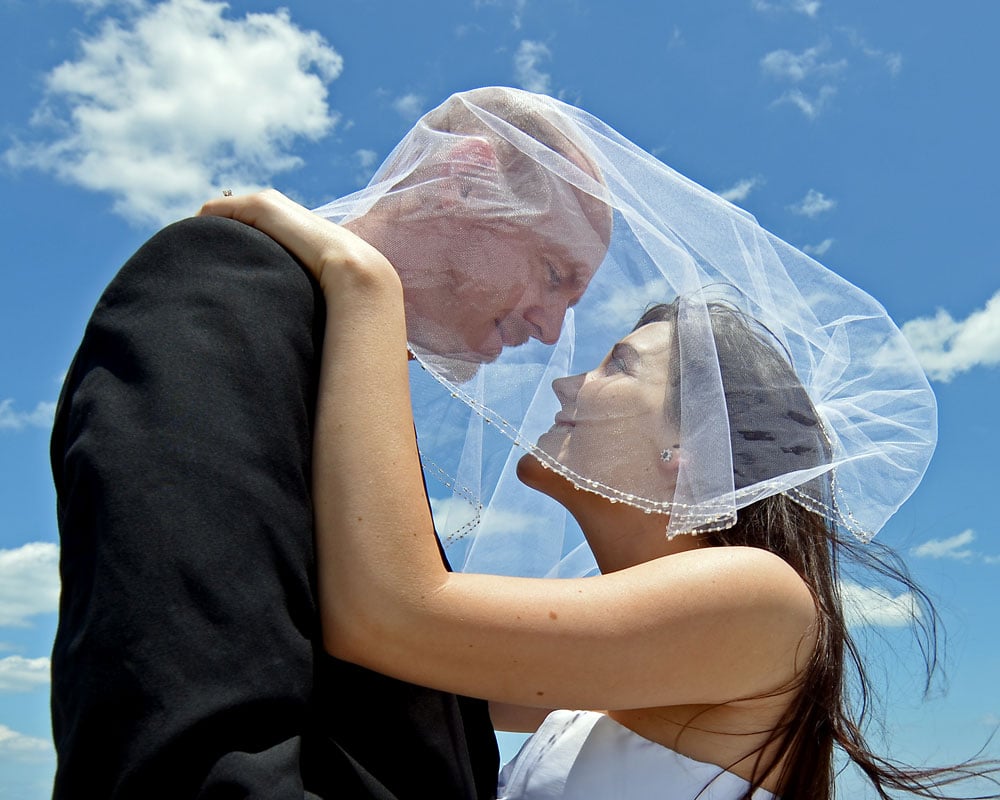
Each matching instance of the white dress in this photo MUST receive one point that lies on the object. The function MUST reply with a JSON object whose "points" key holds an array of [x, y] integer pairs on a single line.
{"points": [[585, 755]]}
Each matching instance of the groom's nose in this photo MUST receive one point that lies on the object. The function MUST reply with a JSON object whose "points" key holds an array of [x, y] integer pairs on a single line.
{"points": [[545, 319]]}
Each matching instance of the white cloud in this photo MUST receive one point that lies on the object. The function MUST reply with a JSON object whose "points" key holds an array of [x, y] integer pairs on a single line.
{"points": [[740, 190], [813, 204], [16, 746], [877, 608], [623, 305], [893, 61], [947, 347], [166, 106], [808, 7], [39, 417], [527, 60], [409, 106], [811, 107], [518, 9], [820, 249], [100, 5], [796, 67], [29, 582], [366, 158], [952, 547], [19, 674]]}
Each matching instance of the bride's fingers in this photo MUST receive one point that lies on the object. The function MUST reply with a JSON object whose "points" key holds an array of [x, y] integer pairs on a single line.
{"points": [[316, 242]]}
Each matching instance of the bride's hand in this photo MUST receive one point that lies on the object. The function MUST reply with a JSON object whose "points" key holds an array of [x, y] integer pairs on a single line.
{"points": [[337, 258]]}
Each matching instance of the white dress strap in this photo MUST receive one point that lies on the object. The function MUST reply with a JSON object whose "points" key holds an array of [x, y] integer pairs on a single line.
{"points": [[586, 755]]}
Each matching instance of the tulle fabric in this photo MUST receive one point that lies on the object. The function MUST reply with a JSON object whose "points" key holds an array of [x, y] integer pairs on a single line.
{"points": [[852, 447]]}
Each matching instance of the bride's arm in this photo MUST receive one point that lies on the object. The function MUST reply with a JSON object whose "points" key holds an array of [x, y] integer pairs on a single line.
{"points": [[703, 626]]}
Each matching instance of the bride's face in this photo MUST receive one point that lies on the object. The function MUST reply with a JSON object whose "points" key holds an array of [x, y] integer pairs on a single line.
{"points": [[616, 422]]}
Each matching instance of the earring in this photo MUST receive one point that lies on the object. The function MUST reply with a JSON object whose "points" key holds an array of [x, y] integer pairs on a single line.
{"points": [[666, 455]]}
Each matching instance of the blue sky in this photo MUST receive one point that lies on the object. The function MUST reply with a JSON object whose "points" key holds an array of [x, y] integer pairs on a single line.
{"points": [[862, 132]]}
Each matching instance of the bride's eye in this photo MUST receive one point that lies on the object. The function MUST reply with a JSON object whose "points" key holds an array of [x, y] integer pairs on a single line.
{"points": [[617, 365]]}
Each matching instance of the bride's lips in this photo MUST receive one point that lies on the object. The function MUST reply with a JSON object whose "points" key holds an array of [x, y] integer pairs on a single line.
{"points": [[563, 419]]}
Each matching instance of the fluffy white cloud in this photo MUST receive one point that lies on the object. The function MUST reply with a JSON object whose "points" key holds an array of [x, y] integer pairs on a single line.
{"points": [[175, 101], [29, 582], [19, 674], [527, 61], [875, 607], [740, 190], [813, 204], [16, 746], [39, 417], [818, 249], [947, 347], [409, 106]]}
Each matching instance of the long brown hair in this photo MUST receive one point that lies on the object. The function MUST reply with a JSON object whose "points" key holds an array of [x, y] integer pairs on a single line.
{"points": [[822, 717]]}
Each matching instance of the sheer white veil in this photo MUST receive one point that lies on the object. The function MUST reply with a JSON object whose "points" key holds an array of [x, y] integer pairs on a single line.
{"points": [[499, 188]]}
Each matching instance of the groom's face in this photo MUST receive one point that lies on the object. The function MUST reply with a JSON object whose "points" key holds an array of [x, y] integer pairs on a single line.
{"points": [[501, 283]]}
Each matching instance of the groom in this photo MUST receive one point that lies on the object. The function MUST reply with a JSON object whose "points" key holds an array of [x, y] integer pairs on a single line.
{"points": [[188, 661]]}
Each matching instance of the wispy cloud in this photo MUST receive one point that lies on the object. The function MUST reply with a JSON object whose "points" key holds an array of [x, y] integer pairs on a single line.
{"points": [[955, 548], [100, 5], [16, 746], [810, 105], [366, 161], [740, 190], [947, 347], [528, 59], [808, 7], [29, 583], [877, 608], [820, 249], [810, 72], [797, 67], [892, 61], [19, 674], [517, 13], [409, 106], [813, 204], [173, 101], [39, 417], [623, 305]]}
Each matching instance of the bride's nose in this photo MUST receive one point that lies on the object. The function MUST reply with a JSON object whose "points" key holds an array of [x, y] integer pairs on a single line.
{"points": [[567, 388]]}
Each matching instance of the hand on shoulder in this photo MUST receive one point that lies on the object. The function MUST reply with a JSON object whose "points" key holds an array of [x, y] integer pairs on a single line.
{"points": [[338, 259]]}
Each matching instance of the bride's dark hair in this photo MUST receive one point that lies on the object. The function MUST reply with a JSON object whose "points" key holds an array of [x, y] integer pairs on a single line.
{"points": [[767, 404]]}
